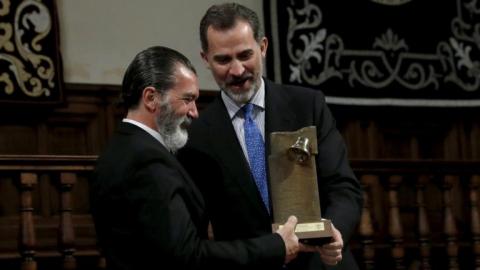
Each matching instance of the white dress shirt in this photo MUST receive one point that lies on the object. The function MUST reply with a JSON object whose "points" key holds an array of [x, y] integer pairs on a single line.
{"points": [[238, 118], [149, 130]]}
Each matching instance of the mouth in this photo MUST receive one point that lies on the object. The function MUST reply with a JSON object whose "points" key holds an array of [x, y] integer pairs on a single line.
{"points": [[186, 123], [239, 81]]}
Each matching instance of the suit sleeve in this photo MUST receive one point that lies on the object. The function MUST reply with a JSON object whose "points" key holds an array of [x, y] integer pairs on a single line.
{"points": [[165, 224], [340, 191]]}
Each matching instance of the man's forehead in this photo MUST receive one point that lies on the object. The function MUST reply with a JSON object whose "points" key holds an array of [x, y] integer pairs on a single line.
{"points": [[239, 24], [238, 51], [230, 46]]}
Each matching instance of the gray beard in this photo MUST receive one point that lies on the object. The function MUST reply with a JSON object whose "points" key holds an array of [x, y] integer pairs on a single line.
{"points": [[172, 129], [240, 98]]}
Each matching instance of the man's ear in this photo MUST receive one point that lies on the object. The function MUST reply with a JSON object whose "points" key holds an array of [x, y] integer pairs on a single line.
{"points": [[205, 59], [264, 46], [148, 98]]}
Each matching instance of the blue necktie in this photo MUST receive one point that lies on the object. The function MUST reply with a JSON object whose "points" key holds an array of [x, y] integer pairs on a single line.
{"points": [[256, 153]]}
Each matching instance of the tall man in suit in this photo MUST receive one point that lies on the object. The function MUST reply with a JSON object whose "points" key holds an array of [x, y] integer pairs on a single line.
{"points": [[219, 155], [147, 211]]}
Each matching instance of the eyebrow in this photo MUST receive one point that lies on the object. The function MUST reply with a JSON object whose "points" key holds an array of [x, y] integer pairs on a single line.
{"points": [[240, 54], [221, 57], [246, 52], [190, 95]]}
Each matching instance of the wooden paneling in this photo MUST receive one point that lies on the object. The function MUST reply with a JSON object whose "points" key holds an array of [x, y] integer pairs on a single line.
{"points": [[81, 125], [54, 214], [19, 139], [410, 133], [416, 212], [88, 117]]}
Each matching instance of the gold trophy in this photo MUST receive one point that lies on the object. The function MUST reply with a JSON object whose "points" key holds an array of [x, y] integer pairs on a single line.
{"points": [[293, 184]]}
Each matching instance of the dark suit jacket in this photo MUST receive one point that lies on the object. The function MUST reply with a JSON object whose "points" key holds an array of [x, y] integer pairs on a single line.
{"points": [[213, 156], [149, 214]]}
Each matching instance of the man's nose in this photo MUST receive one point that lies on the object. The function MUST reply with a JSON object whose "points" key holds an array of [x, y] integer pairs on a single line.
{"points": [[193, 112], [237, 68]]}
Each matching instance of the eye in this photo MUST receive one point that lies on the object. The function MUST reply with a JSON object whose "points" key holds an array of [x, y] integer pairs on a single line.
{"points": [[188, 99], [222, 60], [245, 55]]}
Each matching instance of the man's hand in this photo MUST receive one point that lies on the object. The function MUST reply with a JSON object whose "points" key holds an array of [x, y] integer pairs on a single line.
{"points": [[331, 253], [287, 232]]}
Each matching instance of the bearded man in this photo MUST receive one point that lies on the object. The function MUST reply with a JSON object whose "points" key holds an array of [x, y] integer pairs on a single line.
{"points": [[147, 211]]}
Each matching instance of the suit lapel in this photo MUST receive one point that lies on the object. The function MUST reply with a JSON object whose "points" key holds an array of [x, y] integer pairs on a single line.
{"points": [[169, 159], [279, 115], [189, 184], [278, 112], [221, 129]]}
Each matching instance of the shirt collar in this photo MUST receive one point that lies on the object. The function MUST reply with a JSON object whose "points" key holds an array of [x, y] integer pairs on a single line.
{"points": [[258, 100], [149, 130]]}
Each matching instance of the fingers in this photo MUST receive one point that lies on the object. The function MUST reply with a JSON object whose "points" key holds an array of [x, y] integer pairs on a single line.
{"points": [[331, 253], [330, 257], [289, 226], [337, 236], [307, 248], [333, 246], [287, 232], [291, 223]]}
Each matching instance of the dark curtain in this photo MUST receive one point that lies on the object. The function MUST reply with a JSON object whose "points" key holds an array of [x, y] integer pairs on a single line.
{"points": [[378, 52]]}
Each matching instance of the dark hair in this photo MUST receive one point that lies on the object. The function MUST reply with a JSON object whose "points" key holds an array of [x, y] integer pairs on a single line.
{"points": [[154, 67], [224, 17]]}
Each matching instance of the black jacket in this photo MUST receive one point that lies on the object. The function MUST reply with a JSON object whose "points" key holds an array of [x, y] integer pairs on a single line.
{"points": [[214, 157], [149, 214]]}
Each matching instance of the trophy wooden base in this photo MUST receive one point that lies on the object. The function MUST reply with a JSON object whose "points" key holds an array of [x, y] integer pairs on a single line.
{"points": [[313, 233]]}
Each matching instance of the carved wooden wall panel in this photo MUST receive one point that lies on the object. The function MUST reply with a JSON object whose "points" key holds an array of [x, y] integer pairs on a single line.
{"points": [[388, 133], [80, 126], [84, 123]]}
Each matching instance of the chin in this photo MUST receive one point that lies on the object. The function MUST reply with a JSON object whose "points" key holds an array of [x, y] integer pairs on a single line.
{"points": [[241, 96]]}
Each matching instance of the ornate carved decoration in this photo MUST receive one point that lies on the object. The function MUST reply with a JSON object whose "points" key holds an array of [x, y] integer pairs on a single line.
{"points": [[29, 55], [395, 69]]}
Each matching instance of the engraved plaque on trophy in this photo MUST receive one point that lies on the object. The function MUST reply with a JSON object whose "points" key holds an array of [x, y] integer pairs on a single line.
{"points": [[293, 184]]}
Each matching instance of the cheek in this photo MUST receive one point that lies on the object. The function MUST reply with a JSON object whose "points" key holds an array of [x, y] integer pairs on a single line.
{"points": [[251, 65], [182, 111], [257, 65], [220, 73], [176, 110]]}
